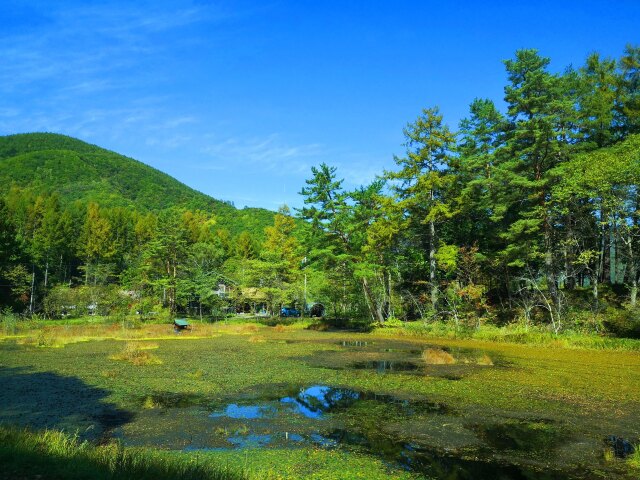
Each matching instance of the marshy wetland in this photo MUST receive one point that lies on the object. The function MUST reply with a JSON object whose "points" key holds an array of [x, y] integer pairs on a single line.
{"points": [[286, 402]]}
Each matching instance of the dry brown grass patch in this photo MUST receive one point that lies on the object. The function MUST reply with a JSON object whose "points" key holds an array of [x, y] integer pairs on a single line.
{"points": [[437, 356]]}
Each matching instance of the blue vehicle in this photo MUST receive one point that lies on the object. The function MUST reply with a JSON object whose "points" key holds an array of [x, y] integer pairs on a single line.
{"points": [[289, 312]]}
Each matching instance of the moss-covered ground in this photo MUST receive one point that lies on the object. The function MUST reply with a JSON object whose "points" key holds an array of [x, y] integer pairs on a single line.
{"points": [[430, 407]]}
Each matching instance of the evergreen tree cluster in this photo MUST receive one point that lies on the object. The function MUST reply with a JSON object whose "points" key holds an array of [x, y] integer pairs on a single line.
{"points": [[531, 214]]}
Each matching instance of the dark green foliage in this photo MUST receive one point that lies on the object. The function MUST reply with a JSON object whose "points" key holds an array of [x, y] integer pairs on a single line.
{"points": [[47, 163], [511, 218]]}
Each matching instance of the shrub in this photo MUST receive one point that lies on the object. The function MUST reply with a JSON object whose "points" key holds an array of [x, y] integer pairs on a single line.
{"points": [[44, 339], [9, 322], [392, 322], [623, 322]]}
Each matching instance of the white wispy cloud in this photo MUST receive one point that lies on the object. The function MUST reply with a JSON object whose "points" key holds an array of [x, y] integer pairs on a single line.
{"points": [[269, 153], [79, 45], [169, 141]]}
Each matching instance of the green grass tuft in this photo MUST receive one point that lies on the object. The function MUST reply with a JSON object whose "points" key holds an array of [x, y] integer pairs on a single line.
{"points": [[55, 455], [633, 460]]}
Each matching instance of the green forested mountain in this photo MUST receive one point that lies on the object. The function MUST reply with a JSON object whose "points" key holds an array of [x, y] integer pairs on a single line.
{"points": [[75, 170]]}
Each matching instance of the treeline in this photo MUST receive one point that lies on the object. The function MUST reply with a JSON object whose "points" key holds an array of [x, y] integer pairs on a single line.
{"points": [[86, 259], [527, 215], [531, 214]]}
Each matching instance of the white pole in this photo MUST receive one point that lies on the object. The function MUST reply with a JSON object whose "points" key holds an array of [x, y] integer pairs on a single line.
{"points": [[304, 307]]}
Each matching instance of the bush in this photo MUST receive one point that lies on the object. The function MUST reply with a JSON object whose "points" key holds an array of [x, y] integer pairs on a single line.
{"points": [[9, 322], [623, 322], [393, 322], [44, 339]]}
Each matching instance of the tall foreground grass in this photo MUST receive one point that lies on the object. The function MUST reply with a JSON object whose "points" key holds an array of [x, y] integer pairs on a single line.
{"points": [[55, 455]]}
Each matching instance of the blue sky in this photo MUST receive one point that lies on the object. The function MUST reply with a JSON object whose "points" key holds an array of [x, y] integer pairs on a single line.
{"points": [[240, 99]]}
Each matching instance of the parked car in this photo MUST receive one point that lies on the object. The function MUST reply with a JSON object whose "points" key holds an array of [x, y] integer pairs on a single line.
{"points": [[289, 312]]}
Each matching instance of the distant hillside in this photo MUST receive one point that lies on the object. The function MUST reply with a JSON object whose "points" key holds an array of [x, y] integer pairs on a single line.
{"points": [[76, 170]]}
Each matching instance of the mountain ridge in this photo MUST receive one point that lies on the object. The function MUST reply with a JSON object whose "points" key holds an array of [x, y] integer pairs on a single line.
{"points": [[80, 171]]}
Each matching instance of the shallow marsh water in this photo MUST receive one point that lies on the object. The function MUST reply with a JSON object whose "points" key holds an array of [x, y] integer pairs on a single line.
{"points": [[435, 409]]}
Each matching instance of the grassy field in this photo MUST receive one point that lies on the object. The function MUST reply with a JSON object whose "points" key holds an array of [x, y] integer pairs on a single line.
{"points": [[426, 406]]}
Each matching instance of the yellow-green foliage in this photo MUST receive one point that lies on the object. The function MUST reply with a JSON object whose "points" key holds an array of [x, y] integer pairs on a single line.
{"points": [[634, 459], [150, 403], [138, 354], [608, 454]]}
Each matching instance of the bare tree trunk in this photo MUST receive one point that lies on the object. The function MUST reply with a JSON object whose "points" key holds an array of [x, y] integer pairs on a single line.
{"points": [[605, 254], [570, 279], [376, 315], [432, 265], [598, 274], [33, 283], [390, 304], [173, 292], [633, 273], [552, 280], [594, 288], [613, 253]]}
